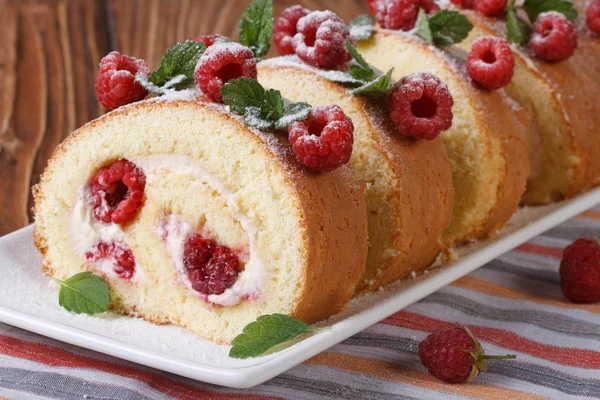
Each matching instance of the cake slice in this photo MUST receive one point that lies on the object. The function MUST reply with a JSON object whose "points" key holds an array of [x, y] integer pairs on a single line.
{"points": [[561, 100], [486, 143], [409, 184], [146, 194]]}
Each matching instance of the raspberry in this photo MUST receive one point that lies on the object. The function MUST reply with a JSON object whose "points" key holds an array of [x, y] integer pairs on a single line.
{"points": [[115, 81], [118, 254], [421, 105], [321, 40], [284, 29], [468, 4], [211, 269], [592, 17], [429, 6], [491, 8], [580, 272], [209, 40], [554, 37], [118, 192], [491, 63], [395, 14], [221, 63], [324, 140], [454, 355]]}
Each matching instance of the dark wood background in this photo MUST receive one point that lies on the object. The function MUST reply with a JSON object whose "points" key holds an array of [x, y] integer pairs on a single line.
{"points": [[49, 53]]}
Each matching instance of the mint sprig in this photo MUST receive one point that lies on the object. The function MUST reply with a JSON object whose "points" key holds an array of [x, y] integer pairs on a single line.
{"points": [[176, 67], [362, 76], [449, 27], [422, 28], [361, 27], [256, 27], [84, 293], [533, 8], [517, 30], [262, 109], [270, 334]]}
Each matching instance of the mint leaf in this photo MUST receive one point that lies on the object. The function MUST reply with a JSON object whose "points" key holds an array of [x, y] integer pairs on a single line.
{"points": [[361, 27], [177, 65], [449, 27], [517, 30], [269, 334], [422, 29], [84, 293], [361, 71], [378, 85], [275, 102], [533, 8], [242, 93], [259, 119], [262, 109], [293, 112], [256, 27], [342, 77]]}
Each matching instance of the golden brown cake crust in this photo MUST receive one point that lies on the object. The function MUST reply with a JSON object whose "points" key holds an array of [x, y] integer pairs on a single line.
{"points": [[422, 191], [503, 128], [332, 203], [575, 86]]}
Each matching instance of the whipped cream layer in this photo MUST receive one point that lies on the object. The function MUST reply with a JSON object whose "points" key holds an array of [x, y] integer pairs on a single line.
{"points": [[175, 230], [87, 232]]}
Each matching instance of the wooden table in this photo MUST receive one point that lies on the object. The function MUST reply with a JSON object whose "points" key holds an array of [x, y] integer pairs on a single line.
{"points": [[49, 53]]}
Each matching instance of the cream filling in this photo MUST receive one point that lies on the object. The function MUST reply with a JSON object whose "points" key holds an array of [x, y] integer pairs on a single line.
{"points": [[87, 232], [176, 231]]}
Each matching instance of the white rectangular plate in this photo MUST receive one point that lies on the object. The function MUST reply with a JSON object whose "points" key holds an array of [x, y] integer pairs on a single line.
{"points": [[29, 300]]}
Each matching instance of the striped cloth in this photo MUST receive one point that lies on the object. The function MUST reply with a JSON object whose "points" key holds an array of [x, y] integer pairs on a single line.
{"points": [[513, 305]]}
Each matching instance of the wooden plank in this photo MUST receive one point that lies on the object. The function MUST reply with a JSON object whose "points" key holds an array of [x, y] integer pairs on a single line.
{"points": [[50, 54]]}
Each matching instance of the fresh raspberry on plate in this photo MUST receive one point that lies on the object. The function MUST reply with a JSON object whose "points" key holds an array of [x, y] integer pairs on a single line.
{"points": [[115, 82], [454, 355], [321, 40], [284, 29], [395, 14], [491, 63], [221, 63], [421, 106], [554, 37], [323, 141], [580, 271]]}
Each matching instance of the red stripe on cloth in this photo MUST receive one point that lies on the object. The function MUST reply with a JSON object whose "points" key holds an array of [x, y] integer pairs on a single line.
{"points": [[541, 250], [55, 356], [567, 356]]}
